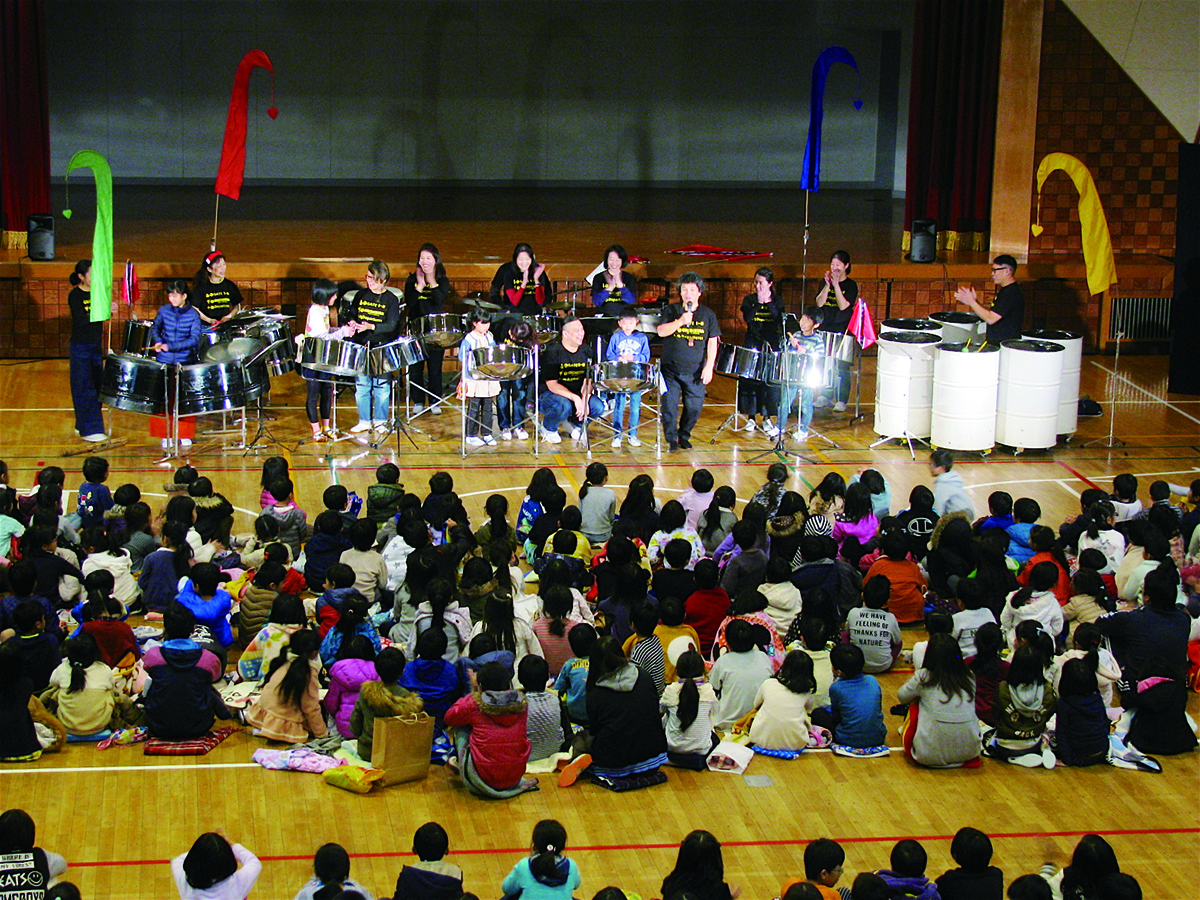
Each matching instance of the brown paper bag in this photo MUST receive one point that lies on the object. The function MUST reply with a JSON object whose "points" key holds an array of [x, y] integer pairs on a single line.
{"points": [[401, 747]]}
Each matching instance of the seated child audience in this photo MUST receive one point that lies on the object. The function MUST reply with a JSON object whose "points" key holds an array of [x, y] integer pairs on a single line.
{"points": [[856, 705], [906, 601], [975, 878], [354, 668], [748, 569], [1000, 508], [973, 615], [384, 698], [707, 608], [643, 647], [1124, 497], [383, 497], [287, 616], [181, 703], [545, 711], [675, 579], [331, 875], [942, 731], [38, 650], [571, 682], [697, 498], [1160, 724], [489, 732], [104, 555], [597, 504], [84, 692], [906, 877], [675, 637], [784, 601], [873, 629], [1026, 512], [769, 495], [289, 708], [811, 637], [293, 522], [257, 600], [783, 703], [430, 877], [352, 621], [337, 499], [689, 706], [370, 572], [699, 870], [1042, 542], [738, 674], [1081, 725], [325, 547], [718, 519], [546, 874], [215, 868], [19, 740], [1025, 701], [1034, 602], [824, 860], [430, 676], [553, 627], [209, 602], [163, 569]]}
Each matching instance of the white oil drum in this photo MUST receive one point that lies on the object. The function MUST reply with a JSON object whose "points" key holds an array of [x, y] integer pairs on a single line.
{"points": [[1068, 394], [960, 327], [1030, 379], [965, 387], [904, 384], [915, 326]]}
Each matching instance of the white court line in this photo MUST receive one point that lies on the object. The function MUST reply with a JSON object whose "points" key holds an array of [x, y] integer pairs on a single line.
{"points": [[162, 768], [1066, 487], [1138, 387]]}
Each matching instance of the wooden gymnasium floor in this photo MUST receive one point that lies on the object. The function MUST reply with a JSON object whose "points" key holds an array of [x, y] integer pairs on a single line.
{"points": [[118, 817]]}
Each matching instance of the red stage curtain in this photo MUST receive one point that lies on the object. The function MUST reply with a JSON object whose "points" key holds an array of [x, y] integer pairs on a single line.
{"points": [[24, 118], [952, 119]]}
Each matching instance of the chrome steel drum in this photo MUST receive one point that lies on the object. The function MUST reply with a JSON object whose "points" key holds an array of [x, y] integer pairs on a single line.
{"points": [[839, 346], [502, 362], [268, 329], [546, 327], [279, 359], [807, 370], [928, 326], [739, 362], [599, 326], [440, 329], [771, 365], [333, 356], [394, 357], [137, 337], [210, 337], [211, 387], [234, 350], [959, 326], [649, 320], [626, 377], [134, 383]]}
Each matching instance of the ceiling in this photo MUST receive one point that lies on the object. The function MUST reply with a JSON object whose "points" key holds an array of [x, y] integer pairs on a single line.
{"points": [[1157, 43]]}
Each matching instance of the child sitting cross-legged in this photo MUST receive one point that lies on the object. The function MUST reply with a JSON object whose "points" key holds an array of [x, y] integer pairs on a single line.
{"points": [[181, 702], [783, 705], [942, 731], [688, 706], [1025, 701], [354, 667], [490, 735], [86, 694], [856, 706], [547, 724], [975, 878], [906, 877], [643, 647], [571, 683], [873, 629], [738, 674], [331, 876], [384, 698], [430, 676], [289, 708], [430, 877]]}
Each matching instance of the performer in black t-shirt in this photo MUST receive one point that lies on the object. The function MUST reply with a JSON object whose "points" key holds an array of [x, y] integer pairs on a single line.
{"points": [[844, 292], [1007, 315], [522, 286], [425, 294], [613, 288], [214, 297], [87, 361], [377, 312], [690, 335], [763, 314], [566, 388]]}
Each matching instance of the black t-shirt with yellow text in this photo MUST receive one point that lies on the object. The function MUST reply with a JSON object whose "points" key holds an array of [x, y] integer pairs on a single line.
{"points": [[216, 300], [684, 352], [567, 368]]}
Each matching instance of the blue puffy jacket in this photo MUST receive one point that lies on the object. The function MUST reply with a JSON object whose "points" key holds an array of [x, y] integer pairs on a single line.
{"points": [[213, 614], [179, 328]]}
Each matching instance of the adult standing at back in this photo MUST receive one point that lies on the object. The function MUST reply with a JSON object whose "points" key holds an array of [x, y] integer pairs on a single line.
{"points": [[843, 291], [690, 335], [377, 311], [1007, 315], [215, 297], [425, 293], [613, 288], [87, 365], [522, 286]]}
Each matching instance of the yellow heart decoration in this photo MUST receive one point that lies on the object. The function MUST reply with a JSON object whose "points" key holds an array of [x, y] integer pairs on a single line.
{"points": [[1037, 230]]}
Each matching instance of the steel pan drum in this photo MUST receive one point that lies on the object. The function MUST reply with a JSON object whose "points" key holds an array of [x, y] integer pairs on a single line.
{"points": [[394, 357], [546, 327], [839, 346], [927, 326], [599, 326], [649, 320], [279, 359], [210, 337], [268, 329], [626, 377], [502, 362], [235, 350], [134, 384], [333, 357], [211, 387], [739, 362], [257, 378], [959, 326], [440, 329], [137, 337]]}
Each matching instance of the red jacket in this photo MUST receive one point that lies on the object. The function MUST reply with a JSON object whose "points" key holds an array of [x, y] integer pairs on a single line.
{"points": [[498, 746], [1062, 590], [705, 611]]}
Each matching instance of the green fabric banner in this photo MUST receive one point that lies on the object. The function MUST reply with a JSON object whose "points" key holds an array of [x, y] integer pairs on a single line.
{"points": [[102, 237]]}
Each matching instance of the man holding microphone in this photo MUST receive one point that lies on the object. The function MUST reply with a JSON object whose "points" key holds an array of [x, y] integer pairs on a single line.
{"points": [[690, 334]]}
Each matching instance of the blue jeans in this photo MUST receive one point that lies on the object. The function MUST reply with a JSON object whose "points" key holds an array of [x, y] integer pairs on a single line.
{"points": [[510, 405], [788, 397], [556, 410], [367, 388], [635, 412], [87, 368]]}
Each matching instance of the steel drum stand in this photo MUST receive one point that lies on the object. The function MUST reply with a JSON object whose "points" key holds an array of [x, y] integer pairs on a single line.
{"points": [[335, 436], [731, 421], [438, 399], [395, 423], [263, 433], [1110, 441]]}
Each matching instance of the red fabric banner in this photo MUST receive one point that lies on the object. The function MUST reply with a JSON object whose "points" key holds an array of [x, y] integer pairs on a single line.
{"points": [[233, 150]]}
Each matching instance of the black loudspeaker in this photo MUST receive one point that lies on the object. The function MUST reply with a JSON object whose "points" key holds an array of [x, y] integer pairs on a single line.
{"points": [[40, 234], [923, 247]]}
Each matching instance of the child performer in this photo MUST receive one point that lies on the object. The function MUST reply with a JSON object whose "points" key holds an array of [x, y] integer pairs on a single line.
{"points": [[627, 344]]}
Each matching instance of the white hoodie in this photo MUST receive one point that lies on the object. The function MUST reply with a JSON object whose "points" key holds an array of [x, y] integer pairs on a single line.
{"points": [[949, 495], [1042, 606]]}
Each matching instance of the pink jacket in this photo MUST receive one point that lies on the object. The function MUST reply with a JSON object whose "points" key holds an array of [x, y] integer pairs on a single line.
{"points": [[864, 529], [499, 746], [346, 679]]}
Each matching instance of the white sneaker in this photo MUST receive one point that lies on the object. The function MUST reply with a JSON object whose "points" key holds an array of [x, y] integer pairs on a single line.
{"points": [[633, 441], [435, 410], [489, 440], [839, 406], [551, 437], [749, 429], [361, 425], [95, 438], [771, 430], [821, 402], [166, 443], [616, 443], [521, 434], [801, 434], [185, 443], [1049, 760], [475, 441], [506, 435], [417, 408], [381, 426], [577, 433]]}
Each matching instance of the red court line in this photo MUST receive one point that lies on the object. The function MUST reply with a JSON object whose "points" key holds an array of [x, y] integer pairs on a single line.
{"points": [[794, 842], [1082, 478]]}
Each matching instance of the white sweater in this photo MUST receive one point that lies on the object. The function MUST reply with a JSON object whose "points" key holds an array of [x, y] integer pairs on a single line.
{"points": [[1042, 606]]}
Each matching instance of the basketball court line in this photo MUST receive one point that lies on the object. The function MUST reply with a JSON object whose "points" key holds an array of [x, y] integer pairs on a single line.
{"points": [[1138, 387], [605, 848]]}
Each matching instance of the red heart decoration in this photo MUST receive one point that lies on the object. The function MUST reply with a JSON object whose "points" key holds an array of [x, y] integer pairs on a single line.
{"points": [[272, 112]]}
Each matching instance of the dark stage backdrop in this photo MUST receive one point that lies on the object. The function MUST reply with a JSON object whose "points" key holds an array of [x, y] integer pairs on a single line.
{"points": [[472, 92]]}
